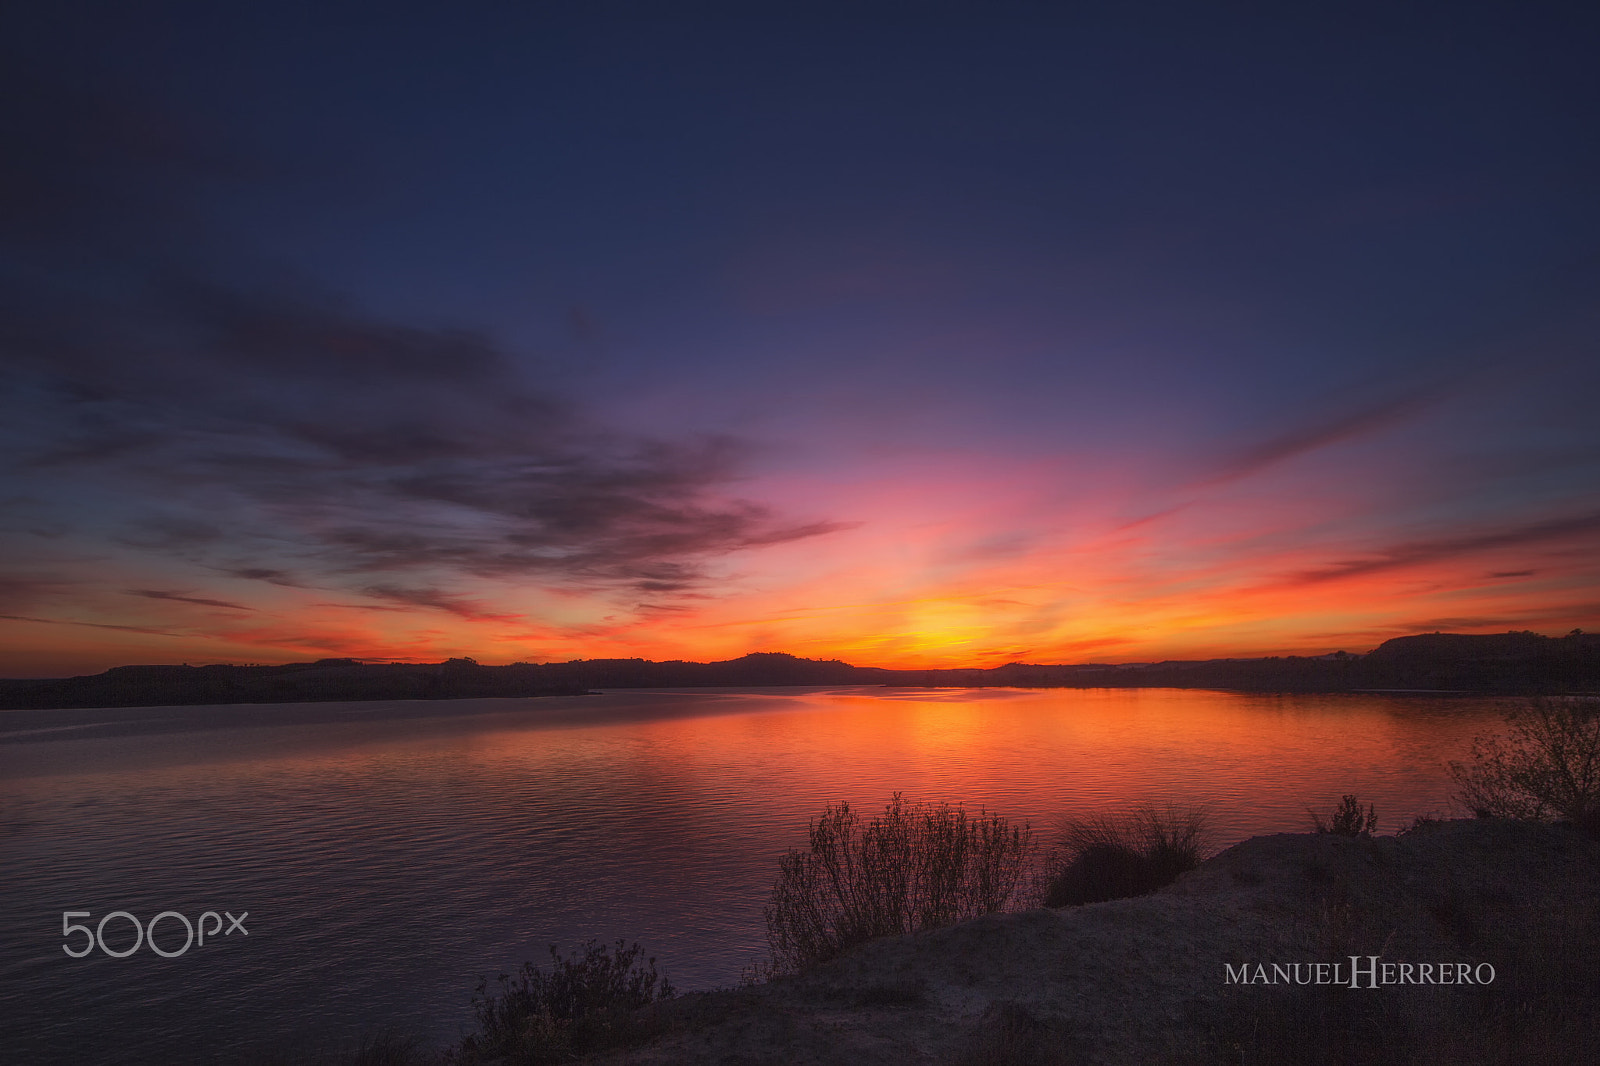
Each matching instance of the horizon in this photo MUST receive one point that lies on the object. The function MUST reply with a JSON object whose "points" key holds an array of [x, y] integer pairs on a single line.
{"points": [[1049, 337], [390, 661]]}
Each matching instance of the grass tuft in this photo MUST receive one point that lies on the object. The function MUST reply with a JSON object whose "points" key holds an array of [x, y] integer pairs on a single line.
{"points": [[1117, 856]]}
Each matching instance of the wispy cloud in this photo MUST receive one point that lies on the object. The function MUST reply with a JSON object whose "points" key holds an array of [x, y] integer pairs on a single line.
{"points": [[274, 434], [1317, 433], [1422, 552], [365, 447], [155, 630], [19, 592], [440, 601], [160, 594], [262, 573]]}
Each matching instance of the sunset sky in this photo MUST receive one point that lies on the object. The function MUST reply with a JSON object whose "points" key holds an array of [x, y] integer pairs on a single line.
{"points": [[902, 333]]}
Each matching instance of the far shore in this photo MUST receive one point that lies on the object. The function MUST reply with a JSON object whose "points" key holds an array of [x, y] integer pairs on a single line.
{"points": [[1513, 664]]}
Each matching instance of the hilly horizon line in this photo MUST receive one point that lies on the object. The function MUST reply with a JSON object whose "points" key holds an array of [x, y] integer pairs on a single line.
{"points": [[782, 655]]}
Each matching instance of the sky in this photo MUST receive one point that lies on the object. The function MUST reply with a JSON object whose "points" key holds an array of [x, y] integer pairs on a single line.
{"points": [[909, 334]]}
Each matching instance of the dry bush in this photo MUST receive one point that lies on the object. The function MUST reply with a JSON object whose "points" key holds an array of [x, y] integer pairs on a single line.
{"points": [[583, 1004], [916, 867], [1546, 766], [1349, 819]]}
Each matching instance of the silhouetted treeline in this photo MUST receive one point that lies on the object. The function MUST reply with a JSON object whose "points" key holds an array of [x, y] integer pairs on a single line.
{"points": [[1510, 663]]}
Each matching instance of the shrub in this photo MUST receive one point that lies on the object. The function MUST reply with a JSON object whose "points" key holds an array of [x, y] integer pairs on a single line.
{"points": [[1423, 821], [1349, 819], [1115, 856], [1548, 766], [581, 1005], [916, 867]]}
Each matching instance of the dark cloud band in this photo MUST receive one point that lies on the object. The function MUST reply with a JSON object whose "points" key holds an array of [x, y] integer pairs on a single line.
{"points": [[269, 432]]}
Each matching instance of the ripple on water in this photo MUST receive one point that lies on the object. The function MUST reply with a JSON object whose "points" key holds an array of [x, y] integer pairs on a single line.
{"points": [[388, 861]]}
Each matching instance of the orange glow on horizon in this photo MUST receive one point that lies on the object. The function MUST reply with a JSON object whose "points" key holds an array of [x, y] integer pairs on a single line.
{"points": [[909, 586]]}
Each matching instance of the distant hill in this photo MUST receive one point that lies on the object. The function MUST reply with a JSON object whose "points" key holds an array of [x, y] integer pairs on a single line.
{"points": [[321, 681], [1500, 661], [1511, 663]]}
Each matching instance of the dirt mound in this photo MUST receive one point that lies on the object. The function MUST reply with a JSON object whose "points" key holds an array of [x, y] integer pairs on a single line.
{"points": [[1196, 972]]}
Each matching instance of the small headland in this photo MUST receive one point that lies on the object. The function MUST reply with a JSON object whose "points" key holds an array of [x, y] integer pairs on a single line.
{"points": [[1233, 963]]}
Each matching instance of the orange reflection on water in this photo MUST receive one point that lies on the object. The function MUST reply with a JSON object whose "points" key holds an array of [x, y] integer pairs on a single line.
{"points": [[474, 833], [773, 760]]}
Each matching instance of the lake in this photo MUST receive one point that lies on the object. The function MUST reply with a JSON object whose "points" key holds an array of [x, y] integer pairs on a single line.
{"points": [[388, 854]]}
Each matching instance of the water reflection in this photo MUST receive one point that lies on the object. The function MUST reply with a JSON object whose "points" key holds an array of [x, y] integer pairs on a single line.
{"points": [[390, 853]]}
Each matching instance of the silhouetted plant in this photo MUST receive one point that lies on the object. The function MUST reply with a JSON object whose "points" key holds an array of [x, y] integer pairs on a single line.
{"points": [[916, 867], [582, 1004], [1116, 856], [1423, 821], [1547, 766], [1349, 819]]}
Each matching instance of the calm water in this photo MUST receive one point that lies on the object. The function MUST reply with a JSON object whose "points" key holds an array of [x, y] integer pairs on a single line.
{"points": [[390, 853]]}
